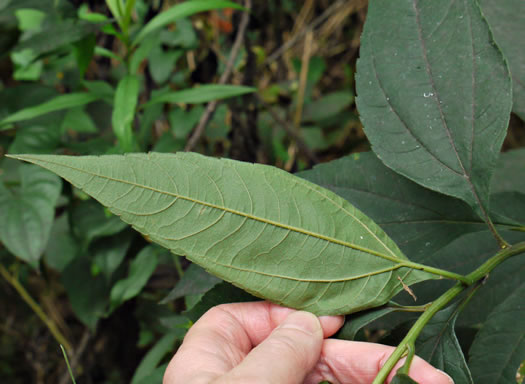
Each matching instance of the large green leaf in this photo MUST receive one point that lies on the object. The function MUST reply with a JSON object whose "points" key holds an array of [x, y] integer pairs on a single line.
{"points": [[420, 221], [56, 104], [499, 347], [507, 22], [510, 174], [438, 345], [434, 94], [273, 234], [28, 212], [181, 11], [202, 94]]}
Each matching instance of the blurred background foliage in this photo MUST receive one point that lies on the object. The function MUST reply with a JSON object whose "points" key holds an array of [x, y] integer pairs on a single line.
{"points": [[95, 77]]}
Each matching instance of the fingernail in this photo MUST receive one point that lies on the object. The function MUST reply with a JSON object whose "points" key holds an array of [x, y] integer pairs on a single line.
{"points": [[447, 376], [305, 321]]}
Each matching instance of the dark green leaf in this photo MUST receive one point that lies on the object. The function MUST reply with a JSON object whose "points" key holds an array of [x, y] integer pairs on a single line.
{"points": [[438, 345], [201, 94], [510, 174], [90, 222], [507, 22], [181, 11], [126, 99], [221, 293], [434, 94], [355, 322], [140, 270], [57, 34], [109, 253], [420, 221], [84, 50], [256, 226], [88, 294], [154, 356], [64, 248], [194, 281], [36, 139], [28, 212], [58, 103], [327, 106], [77, 120], [499, 346]]}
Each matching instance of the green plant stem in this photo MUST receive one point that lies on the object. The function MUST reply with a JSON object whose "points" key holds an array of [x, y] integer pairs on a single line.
{"points": [[13, 281], [409, 308], [501, 241], [416, 330], [441, 302], [440, 272]]}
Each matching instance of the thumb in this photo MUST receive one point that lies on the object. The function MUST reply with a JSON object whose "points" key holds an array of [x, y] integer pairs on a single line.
{"points": [[286, 356]]}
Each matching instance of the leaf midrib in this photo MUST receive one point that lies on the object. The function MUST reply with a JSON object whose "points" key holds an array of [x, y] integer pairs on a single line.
{"points": [[226, 209]]}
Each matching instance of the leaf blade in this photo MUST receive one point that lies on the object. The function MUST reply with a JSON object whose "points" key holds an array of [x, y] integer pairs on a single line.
{"points": [[315, 244], [422, 104], [56, 104]]}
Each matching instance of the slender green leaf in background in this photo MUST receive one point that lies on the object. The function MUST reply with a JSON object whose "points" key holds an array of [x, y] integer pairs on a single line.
{"points": [[499, 347], [140, 270], [435, 112], [271, 233], [126, 99], [56, 104], [180, 11], [507, 22], [28, 210], [154, 356], [194, 281], [201, 94], [439, 345]]}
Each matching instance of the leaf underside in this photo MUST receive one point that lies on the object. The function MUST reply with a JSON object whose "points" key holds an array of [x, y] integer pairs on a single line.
{"points": [[434, 94], [275, 235]]}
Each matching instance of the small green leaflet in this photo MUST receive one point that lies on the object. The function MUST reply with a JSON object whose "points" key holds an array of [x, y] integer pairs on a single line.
{"points": [[268, 232]]}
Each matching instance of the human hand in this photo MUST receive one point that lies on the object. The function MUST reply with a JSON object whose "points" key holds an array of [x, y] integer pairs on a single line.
{"points": [[261, 343]]}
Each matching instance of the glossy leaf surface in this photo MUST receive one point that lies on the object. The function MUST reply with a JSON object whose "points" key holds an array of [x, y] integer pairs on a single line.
{"points": [[507, 22], [434, 94], [273, 234], [438, 345], [499, 347]]}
